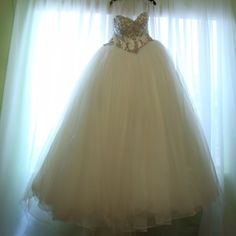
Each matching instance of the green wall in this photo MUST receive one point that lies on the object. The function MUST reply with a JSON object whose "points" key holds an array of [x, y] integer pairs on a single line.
{"points": [[6, 21]]}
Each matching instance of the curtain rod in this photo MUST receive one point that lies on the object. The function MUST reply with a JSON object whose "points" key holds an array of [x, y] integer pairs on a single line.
{"points": [[153, 2]]}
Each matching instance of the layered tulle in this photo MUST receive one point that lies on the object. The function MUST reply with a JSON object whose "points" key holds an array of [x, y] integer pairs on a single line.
{"points": [[130, 153]]}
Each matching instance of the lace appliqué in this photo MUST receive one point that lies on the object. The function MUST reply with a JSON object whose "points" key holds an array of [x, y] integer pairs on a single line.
{"points": [[130, 35]]}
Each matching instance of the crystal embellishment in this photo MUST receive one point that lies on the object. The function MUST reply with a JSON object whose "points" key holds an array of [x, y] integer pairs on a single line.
{"points": [[131, 35]]}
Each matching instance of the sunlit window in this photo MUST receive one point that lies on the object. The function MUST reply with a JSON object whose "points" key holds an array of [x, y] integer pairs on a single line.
{"points": [[61, 48]]}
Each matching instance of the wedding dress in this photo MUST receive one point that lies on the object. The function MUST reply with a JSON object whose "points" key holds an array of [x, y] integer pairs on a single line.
{"points": [[130, 153]]}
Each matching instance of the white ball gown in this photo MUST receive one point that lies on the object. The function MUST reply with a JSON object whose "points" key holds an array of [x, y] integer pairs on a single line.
{"points": [[130, 153]]}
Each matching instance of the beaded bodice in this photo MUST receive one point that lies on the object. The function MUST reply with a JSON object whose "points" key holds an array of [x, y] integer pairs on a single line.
{"points": [[130, 35]]}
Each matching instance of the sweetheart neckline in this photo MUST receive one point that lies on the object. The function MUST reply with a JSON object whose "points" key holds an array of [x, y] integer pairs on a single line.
{"points": [[128, 18]]}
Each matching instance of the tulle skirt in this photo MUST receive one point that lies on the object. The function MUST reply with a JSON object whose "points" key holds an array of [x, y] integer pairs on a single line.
{"points": [[130, 153]]}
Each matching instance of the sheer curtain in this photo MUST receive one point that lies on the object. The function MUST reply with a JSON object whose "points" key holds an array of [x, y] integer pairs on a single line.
{"points": [[51, 43]]}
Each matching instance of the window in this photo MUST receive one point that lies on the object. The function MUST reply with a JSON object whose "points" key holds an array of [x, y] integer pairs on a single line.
{"points": [[61, 46]]}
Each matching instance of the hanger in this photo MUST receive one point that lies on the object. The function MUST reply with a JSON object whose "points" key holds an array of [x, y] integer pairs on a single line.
{"points": [[153, 2]]}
